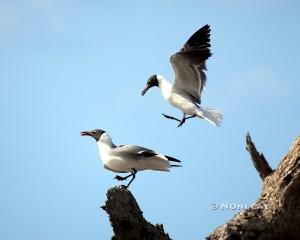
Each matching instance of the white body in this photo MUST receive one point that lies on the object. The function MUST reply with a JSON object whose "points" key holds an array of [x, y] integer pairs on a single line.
{"points": [[186, 105], [122, 159]]}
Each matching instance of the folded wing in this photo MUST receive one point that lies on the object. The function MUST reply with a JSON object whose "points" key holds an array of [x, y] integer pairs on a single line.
{"points": [[137, 152], [132, 151]]}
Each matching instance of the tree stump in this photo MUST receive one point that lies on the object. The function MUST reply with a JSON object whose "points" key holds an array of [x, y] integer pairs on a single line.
{"points": [[127, 219]]}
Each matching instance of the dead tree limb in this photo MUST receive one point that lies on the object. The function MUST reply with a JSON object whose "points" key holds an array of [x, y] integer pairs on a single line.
{"points": [[127, 219], [259, 161], [276, 214]]}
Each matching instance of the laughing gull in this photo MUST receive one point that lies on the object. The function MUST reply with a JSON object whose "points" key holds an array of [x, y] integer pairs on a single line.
{"points": [[128, 158], [185, 93]]}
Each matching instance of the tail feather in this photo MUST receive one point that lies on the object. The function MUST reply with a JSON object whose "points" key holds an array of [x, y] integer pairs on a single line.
{"points": [[212, 115]]}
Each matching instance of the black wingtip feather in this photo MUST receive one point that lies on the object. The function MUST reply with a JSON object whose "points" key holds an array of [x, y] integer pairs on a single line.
{"points": [[200, 37], [173, 165], [172, 159]]}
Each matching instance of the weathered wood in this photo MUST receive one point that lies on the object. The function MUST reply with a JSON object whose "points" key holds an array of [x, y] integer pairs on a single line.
{"points": [[276, 214], [127, 219], [259, 161]]}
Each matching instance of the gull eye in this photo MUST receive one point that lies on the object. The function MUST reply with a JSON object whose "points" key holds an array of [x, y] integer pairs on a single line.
{"points": [[94, 131]]}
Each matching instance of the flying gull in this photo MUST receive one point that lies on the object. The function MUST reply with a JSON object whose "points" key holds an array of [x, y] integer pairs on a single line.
{"points": [[185, 93], [128, 158]]}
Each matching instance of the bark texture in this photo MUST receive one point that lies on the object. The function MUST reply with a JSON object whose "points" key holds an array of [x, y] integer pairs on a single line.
{"points": [[258, 159], [127, 218], [276, 214]]}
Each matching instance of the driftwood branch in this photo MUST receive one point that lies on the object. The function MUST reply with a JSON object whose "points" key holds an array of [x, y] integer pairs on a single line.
{"points": [[276, 214], [259, 161], [127, 219]]}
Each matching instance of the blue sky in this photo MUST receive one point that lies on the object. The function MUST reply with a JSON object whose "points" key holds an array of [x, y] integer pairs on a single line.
{"points": [[68, 66]]}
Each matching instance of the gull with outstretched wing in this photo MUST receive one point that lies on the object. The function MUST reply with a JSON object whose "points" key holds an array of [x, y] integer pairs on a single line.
{"points": [[190, 79]]}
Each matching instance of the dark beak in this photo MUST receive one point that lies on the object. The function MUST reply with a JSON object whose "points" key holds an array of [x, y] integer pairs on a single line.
{"points": [[146, 89], [86, 133]]}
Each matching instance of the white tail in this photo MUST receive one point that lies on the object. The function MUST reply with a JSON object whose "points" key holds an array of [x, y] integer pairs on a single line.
{"points": [[212, 115]]}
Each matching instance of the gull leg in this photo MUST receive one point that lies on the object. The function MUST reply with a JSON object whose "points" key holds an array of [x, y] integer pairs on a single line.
{"points": [[191, 116], [182, 121], [170, 117], [120, 178], [185, 118], [133, 177]]}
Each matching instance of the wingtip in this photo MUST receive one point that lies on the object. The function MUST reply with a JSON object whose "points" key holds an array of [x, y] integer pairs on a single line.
{"points": [[206, 26], [171, 159], [174, 165]]}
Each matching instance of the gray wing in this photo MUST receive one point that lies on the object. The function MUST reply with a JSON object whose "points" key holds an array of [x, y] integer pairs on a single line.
{"points": [[189, 65], [132, 151]]}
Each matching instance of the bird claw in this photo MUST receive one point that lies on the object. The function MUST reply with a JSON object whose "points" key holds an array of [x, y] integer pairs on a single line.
{"points": [[181, 123], [119, 178], [123, 186], [167, 116], [170, 117]]}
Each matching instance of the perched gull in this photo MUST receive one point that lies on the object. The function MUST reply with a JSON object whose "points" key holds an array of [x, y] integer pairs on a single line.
{"points": [[128, 158], [185, 93]]}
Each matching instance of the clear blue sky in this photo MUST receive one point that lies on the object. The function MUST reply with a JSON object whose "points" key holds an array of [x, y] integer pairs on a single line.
{"points": [[67, 66]]}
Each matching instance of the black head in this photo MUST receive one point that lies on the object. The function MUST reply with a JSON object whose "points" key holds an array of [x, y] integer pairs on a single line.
{"points": [[152, 82], [96, 134]]}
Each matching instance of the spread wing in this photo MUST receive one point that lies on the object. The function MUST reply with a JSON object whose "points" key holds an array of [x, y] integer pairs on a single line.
{"points": [[189, 65]]}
